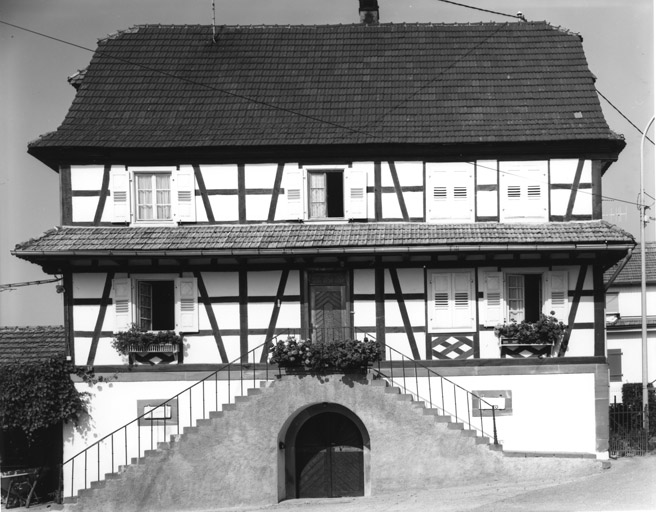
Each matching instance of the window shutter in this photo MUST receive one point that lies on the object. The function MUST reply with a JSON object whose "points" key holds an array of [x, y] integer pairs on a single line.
{"points": [[557, 297], [122, 300], [441, 288], [495, 307], [186, 304], [295, 192], [615, 364], [356, 194], [523, 191], [450, 192], [185, 195], [462, 314], [120, 180]]}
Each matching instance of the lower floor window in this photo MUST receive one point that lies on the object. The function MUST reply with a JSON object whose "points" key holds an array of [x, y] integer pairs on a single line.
{"points": [[524, 297], [156, 305]]}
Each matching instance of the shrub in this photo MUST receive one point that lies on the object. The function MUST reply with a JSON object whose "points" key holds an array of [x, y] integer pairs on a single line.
{"points": [[124, 341], [345, 355], [38, 395], [547, 330]]}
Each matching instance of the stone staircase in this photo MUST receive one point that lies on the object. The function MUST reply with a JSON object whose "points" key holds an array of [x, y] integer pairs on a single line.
{"points": [[235, 457]]}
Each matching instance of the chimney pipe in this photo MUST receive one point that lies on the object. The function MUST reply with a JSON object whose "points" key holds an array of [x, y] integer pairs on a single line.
{"points": [[369, 12]]}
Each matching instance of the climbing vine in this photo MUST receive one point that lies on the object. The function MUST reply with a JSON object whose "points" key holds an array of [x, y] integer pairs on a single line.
{"points": [[37, 395]]}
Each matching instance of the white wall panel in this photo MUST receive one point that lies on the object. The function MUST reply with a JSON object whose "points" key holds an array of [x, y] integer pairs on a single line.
{"points": [[260, 175], [259, 314], [88, 286], [257, 207], [84, 318], [391, 207], [87, 177], [563, 171], [364, 313], [363, 281], [232, 346], [225, 208], [220, 176], [559, 201], [263, 283], [201, 350], [289, 315], [410, 173], [227, 315], [414, 202], [486, 172], [487, 203], [221, 284], [84, 208]]}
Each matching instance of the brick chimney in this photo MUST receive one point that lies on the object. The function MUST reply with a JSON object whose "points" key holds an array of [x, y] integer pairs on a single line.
{"points": [[369, 12]]}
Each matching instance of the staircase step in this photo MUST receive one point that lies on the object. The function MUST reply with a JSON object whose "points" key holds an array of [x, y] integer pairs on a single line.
{"points": [[242, 399], [98, 484], [113, 476], [482, 440], [469, 433], [443, 419], [229, 407], [70, 500], [216, 414], [456, 426], [254, 391], [429, 412], [393, 390]]}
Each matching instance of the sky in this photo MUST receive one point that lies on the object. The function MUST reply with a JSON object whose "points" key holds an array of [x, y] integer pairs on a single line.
{"points": [[618, 39]]}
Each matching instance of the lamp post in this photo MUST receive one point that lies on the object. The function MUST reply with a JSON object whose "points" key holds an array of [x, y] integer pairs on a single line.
{"points": [[643, 280]]}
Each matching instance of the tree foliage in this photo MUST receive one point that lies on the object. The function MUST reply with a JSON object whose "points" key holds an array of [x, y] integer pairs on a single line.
{"points": [[38, 395]]}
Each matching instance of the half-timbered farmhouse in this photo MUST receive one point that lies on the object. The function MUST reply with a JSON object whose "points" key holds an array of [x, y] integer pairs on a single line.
{"points": [[416, 184]]}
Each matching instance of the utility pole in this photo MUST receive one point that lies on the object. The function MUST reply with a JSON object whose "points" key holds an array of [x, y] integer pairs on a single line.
{"points": [[643, 281]]}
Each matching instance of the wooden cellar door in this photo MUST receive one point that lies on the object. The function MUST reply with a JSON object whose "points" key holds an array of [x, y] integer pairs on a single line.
{"points": [[328, 307], [329, 458]]}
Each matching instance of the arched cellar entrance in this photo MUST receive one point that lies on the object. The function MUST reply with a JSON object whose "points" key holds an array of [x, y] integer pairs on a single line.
{"points": [[326, 453]]}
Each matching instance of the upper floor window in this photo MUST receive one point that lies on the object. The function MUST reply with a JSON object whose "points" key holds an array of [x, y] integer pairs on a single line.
{"points": [[153, 195], [523, 192], [326, 192], [450, 192]]}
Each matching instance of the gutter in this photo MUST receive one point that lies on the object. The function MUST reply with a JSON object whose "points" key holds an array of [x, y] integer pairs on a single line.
{"points": [[619, 269], [339, 250]]}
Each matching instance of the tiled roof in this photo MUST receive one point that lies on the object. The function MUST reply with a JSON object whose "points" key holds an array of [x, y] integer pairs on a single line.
{"points": [[172, 87], [257, 239], [630, 322], [31, 343], [631, 273]]}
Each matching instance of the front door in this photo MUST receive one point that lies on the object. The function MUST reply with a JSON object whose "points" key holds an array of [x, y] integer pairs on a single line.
{"points": [[329, 316], [329, 457]]}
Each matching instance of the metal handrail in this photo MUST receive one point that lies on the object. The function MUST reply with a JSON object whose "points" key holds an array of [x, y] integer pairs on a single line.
{"points": [[246, 359], [242, 360], [430, 374]]}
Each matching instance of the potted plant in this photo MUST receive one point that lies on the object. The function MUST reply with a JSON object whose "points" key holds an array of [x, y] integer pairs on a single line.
{"points": [[344, 356], [135, 342], [547, 330]]}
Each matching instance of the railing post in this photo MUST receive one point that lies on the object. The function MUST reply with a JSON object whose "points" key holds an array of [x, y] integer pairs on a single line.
{"points": [[494, 425]]}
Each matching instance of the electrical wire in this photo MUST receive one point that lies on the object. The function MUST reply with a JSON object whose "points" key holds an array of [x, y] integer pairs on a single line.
{"points": [[516, 16], [260, 102], [623, 115]]}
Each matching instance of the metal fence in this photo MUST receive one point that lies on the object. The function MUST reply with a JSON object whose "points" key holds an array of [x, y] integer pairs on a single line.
{"points": [[628, 435]]}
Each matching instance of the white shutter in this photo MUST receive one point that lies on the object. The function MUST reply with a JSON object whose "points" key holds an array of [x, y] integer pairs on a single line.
{"points": [[120, 180], [185, 195], [462, 313], [122, 300], [186, 304], [295, 193], [557, 296], [450, 192], [524, 191], [495, 305], [440, 317], [356, 194]]}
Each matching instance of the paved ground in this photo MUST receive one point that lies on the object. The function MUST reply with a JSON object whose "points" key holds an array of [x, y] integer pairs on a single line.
{"points": [[629, 484]]}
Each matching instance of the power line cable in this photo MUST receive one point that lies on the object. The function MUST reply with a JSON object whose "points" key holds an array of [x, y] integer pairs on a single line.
{"points": [[246, 98], [516, 16], [622, 114]]}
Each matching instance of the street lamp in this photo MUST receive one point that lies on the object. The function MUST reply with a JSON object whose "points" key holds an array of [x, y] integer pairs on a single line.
{"points": [[643, 280]]}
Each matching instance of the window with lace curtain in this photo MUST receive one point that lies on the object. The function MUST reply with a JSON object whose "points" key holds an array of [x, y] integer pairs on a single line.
{"points": [[153, 196]]}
